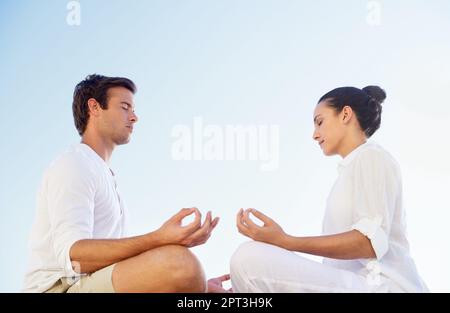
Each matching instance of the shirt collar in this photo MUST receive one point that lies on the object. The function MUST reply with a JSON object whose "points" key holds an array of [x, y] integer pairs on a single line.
{"points": [[93, 155], [351, 156]]}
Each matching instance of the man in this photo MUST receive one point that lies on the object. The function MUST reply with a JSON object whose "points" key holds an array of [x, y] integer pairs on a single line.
{"points": [[77, 242]]}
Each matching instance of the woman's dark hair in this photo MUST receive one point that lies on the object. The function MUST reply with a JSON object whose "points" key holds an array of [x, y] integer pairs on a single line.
{"points": [[366, 103], [94, 86]]}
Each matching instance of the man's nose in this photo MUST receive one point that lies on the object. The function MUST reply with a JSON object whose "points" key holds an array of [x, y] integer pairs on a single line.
{"points": [[134, 117]]}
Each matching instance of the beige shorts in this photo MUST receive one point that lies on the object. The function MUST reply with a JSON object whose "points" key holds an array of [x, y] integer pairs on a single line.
{"points": [[99, 281]]}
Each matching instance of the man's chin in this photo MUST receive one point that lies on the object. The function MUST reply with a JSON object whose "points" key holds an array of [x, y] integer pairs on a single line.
{"points": [[122, 141]]}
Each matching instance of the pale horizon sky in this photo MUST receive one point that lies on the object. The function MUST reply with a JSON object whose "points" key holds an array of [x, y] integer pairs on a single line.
{"points": [[255, 62]]}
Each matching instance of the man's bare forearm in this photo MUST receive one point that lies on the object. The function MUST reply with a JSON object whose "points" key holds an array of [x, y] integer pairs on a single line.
{"points": [[90, 255], [348, 245]]}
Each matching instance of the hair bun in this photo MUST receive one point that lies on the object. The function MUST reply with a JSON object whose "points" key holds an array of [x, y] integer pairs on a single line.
{"points": [[375, 92]]}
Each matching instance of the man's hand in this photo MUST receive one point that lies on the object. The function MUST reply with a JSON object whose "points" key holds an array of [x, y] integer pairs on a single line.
{"points": [[270, 232], [191, 235], [202, 234], [215, 284]]}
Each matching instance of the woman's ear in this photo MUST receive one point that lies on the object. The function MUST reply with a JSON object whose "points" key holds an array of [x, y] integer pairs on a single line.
{"points": [[346, 114]]}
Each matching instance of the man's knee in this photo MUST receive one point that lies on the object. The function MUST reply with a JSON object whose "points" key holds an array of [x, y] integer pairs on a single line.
{"points": [[169, 268], [184, 269]]}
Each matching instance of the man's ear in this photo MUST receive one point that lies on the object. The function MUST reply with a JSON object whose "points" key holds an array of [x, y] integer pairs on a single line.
{"points": [[347, 114], [94, 107]]}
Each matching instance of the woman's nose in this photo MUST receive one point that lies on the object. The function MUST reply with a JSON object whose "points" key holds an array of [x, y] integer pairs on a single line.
{"points": [[315, 135]]}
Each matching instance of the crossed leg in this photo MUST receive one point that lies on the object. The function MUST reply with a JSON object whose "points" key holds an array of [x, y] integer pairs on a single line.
{"points": [[169, 268], [261, 267]]}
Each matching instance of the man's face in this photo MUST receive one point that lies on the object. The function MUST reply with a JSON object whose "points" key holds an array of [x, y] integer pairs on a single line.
{"points": [[116, 122]]}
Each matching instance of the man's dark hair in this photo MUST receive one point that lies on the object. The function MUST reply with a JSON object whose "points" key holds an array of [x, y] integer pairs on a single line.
{"points": [[94, 86]]}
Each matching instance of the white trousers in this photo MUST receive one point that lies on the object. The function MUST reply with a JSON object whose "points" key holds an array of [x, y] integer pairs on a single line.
{"points": [[261, 267]]}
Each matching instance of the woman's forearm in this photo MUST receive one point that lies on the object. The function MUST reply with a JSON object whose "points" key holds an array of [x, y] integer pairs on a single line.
{"points": [[348, 245]]}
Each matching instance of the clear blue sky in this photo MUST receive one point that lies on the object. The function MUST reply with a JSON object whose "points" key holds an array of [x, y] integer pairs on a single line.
{"points": [[252, 62]]}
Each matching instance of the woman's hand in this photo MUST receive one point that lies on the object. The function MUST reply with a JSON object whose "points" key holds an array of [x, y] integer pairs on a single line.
{"points": [[270, 232], [215, 284]]}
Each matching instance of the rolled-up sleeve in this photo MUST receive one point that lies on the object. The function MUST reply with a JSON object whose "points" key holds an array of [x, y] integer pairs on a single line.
{"points": [[375, 189], [71, 193]]}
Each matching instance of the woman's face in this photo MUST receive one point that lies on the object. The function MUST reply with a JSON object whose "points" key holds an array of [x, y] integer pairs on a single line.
{"points": [[329, 128]]}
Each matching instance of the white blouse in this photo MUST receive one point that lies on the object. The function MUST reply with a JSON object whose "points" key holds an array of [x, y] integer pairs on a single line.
{"points": [[367, 196]]}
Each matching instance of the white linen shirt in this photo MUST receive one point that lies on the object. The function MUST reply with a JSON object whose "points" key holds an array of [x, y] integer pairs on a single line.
{"points": [[367, 196], [78, 199]]}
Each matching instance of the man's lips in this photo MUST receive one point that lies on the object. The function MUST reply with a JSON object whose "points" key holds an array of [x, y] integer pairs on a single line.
{"points": [[130, 127], [321, 142]]}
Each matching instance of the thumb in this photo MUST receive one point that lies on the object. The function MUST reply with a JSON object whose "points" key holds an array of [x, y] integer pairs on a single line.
{"points": [[261, 216]]}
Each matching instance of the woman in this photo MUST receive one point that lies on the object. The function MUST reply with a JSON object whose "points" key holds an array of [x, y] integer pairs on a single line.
{"points": [[364, 243]]}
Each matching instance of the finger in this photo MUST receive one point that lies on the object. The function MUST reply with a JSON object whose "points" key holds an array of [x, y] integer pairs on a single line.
{"points": [[239, 217], [198, 217], [207, 222], [215, 222], [208, 219], [224, 277], [261, 216], [213, 225], [246, 218], [196, 224], [243, 229], [241, 221], [202, 234], [182, 214], [206, 227]]}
